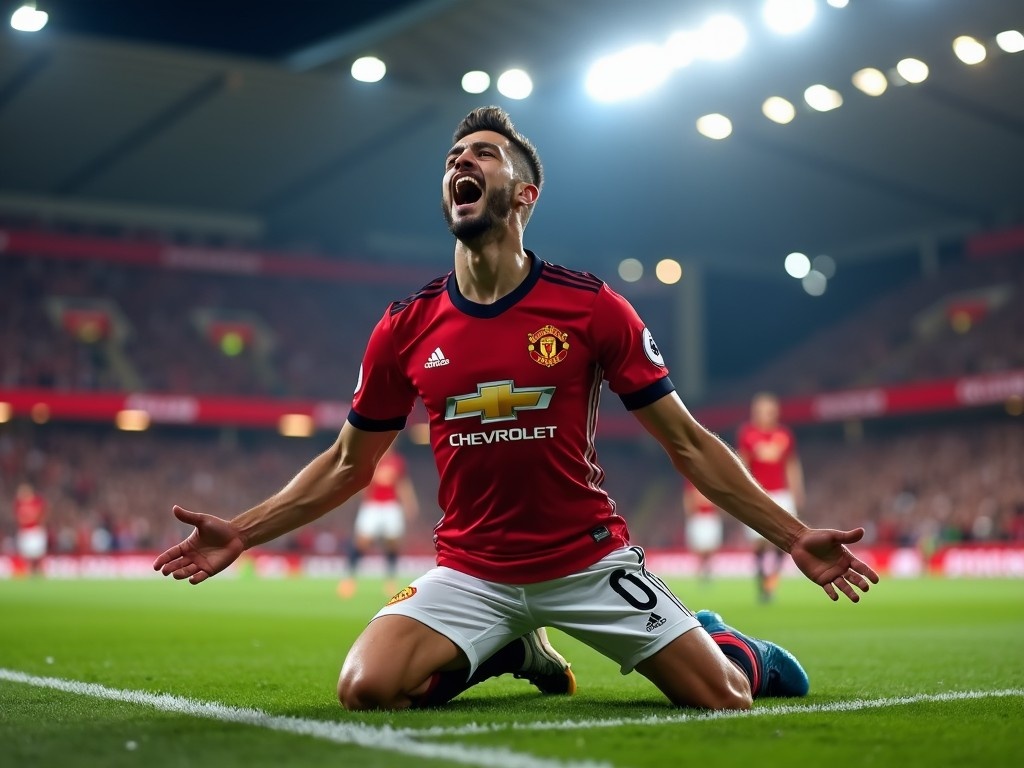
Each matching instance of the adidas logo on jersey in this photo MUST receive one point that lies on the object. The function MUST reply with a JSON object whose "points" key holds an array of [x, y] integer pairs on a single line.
{"points": [[654, 622], [437, 359]]}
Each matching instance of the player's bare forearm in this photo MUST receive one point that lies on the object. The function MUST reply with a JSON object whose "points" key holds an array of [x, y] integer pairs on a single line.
{"points": [[716, 471], [326, 482]]}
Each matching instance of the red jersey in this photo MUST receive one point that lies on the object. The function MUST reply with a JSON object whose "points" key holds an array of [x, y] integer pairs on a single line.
{"points": [[29, 511], [383, 487], [512, 391], [702, 505], [767, 452]]}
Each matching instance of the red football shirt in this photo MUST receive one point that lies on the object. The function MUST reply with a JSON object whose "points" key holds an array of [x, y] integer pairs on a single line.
{"points": [[512, 391], [29, 512], [382, 488], [767, 451]]}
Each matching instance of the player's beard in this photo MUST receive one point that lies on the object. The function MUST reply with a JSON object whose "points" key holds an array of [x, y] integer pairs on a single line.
{"points": [[493, 216]]}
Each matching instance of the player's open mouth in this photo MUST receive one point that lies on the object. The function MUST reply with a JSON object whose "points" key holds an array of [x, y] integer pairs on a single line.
{"points": [[465, 191]]}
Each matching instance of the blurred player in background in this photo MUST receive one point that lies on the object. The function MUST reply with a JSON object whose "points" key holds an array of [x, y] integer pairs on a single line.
{"points": [[703, 528], [508, 354], [30, 517], [388, 504], [768, 448]]}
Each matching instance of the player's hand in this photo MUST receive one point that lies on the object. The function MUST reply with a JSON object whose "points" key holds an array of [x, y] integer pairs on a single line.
{"points": [[208, 550], [822, 555]]}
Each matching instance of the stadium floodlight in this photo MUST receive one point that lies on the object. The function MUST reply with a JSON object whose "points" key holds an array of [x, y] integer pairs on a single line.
{"points": [[669, 271], [28, 18], [368, 69], [515, 84], [787, 17], [969, 50], [823, 98], [682, 48], [912, 70], [627, 74], [720, 38], [714, 126], [839, 3], [814, 283], [778, 110], [870, 80], [1010, 41], [476, 81], [797, 265], [631, 270]]}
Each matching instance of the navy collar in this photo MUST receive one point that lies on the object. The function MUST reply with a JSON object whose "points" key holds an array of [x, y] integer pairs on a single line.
{"points": [[473, 309]]}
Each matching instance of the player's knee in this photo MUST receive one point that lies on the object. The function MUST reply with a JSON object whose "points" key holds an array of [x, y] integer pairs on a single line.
{"points": [[716, 696], [361, 691]]}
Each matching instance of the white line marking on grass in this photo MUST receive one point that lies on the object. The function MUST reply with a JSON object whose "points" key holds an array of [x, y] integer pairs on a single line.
{"points": [[383, 738], [853, 705]]}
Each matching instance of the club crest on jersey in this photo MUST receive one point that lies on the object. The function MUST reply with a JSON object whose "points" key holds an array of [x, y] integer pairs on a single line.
{"points": [[403, 594], [548, 346]]}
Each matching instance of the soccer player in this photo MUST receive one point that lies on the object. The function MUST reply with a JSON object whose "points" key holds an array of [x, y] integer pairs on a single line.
{"points": [[703, 528], [528, 538], [30, 517], [768, 448], [388, 502]]}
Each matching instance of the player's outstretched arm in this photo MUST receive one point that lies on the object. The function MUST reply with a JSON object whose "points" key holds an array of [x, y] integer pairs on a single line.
{"points": [[719, 474], [822, 555], [327, 481], [213, 545]]}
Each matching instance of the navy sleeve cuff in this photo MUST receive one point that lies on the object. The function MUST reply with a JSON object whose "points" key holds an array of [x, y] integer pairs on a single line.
{"points": [[649, 394], [375, 425]]}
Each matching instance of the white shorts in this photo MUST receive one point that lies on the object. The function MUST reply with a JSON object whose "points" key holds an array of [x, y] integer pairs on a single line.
{"points": [[704, 532], [32, 543], [615, 606], [380, 520], [785, 500]]}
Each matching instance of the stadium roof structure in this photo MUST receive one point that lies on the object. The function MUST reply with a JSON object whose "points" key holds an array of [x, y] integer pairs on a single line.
{"points": [[243, 119]]}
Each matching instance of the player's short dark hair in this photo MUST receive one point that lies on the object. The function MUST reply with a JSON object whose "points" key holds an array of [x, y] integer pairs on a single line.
{"points": [[525, 161]]}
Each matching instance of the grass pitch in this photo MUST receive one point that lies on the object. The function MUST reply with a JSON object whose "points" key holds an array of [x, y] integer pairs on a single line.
{"points": [[925, 672]]}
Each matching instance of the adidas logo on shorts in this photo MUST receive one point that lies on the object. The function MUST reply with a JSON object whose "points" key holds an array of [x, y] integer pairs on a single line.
{"points": [[654, 622]]}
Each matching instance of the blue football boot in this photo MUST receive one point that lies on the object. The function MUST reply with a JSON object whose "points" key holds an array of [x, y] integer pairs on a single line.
{"points": [[782, 674]]}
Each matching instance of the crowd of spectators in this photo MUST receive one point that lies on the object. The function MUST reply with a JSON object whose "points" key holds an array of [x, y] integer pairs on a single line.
{"points": [[112, 491], [314, 331], [106, 490], [887, 342]]}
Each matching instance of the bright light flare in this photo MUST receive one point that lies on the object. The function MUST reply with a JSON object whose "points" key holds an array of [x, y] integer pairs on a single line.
{"points": [[714, 126], [368, 69], [669, 271], [629, 73], [515, 84], [823, 98], [871, 81], [913, 70], [787, 17], [1010, 41], [797, 265], [720, 38], [476, 81], [969, 50], [778, 110], [29, 19]]}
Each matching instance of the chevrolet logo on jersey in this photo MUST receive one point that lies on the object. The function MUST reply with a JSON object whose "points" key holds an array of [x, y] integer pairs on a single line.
{"points": [[498, 401]]}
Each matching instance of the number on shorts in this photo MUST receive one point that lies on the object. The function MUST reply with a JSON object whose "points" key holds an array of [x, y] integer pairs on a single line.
{"points": [[619, 576]]}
